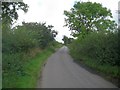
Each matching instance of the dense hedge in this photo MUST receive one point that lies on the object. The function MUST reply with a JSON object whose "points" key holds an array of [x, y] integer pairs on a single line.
{"points": [[27, 36], [22, 43], [97, 46]]}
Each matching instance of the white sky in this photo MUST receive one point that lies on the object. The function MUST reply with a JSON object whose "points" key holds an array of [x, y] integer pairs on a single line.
{"points": [[51, 12]]}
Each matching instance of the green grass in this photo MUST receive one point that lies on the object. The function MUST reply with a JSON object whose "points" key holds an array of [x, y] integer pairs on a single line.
{"points": [[106, 69], [109, 72], [31, 69]]}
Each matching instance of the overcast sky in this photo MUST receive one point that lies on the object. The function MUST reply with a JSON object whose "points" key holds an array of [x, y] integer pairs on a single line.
{"points": [[51, 12]]}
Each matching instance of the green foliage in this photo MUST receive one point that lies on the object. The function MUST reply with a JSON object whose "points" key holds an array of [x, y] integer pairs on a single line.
{"points": [[67, 40], [21, 71], [96, 35], [9, 11], [17, 44], [97, 50], [108, 70], [27, 36], [98, 46], [17, 40], [86, 17]]}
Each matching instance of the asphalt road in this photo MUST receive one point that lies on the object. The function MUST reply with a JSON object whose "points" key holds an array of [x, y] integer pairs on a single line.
{"points": [[61, 71]]}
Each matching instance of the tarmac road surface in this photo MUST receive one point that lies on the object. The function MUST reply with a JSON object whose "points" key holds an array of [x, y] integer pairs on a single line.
{"points": [[61, 71]]}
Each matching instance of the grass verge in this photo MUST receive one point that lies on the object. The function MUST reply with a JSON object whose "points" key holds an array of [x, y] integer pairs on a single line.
{"points": [[31, 71], [109, 72]]}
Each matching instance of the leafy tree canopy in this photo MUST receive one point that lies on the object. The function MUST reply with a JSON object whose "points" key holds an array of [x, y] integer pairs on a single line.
{"points": [[9, 11], [85, 17], [26, 36]]}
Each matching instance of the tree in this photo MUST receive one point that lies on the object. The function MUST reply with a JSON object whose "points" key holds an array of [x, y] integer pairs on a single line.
{"points": [[85, 17], [43, 34], [67, 40], [26, 36], [9, 11]]}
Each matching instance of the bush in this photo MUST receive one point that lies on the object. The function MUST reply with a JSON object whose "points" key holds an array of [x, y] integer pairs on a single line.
{"points": [[29, 35], [20, 44], [97, 46]]}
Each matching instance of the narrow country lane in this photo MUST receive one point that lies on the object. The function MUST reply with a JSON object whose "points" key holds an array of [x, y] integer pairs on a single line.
{"points": [[61, 71]]}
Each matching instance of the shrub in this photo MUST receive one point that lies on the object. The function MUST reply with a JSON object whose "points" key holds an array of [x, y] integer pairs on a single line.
{"points": [[97, 46]]}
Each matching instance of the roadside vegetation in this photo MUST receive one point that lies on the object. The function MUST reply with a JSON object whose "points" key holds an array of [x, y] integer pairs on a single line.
{"points": [[96, 38], [24, 48]]}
